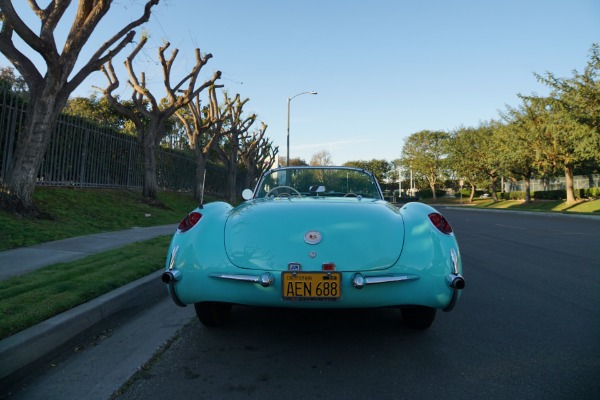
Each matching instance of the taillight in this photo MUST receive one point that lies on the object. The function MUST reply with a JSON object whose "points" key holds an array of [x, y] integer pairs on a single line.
{"points": [[441, 223], [189, 222], [329, 266]]}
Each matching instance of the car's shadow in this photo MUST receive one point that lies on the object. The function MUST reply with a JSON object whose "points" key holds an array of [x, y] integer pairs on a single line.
{"points": [[318, 323]]}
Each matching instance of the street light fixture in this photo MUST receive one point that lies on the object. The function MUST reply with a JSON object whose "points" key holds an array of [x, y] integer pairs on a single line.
{"points": [[289, 100]]}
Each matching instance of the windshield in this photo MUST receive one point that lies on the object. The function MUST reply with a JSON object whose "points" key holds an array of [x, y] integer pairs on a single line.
{"points": [[318, 181]]}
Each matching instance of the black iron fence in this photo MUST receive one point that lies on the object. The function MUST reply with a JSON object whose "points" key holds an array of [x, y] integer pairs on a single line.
{"points": [[82, 154], [554, 183]]}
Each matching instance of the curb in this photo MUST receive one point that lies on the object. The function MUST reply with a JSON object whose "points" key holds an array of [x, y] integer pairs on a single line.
{"points": [[26, 348], [543, 213]]}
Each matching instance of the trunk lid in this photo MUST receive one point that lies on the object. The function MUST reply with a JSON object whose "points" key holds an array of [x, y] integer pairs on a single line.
{"points": [[268, 234]]}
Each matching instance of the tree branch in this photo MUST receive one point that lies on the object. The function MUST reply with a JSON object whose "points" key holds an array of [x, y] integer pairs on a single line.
{"points": [[21, 62], [99, 58], [27, 35], [127, 29]]}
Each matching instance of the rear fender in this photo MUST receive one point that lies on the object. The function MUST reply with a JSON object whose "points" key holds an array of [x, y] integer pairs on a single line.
{"points": [[191, 252], [427, 252]]}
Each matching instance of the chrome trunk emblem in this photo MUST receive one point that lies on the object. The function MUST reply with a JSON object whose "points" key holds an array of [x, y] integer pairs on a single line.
{"points": [[313, 237]]}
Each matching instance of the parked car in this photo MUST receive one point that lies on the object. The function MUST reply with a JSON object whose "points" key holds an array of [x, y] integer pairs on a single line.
{"points": [[315, 237]]}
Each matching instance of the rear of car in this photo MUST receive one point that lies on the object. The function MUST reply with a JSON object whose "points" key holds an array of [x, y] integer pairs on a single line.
{"points": [[315, 238]]}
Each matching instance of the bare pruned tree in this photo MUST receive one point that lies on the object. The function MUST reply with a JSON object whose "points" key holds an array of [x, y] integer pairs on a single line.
{"points": [[203, 133], [150, 116], [49, 89], [257, 154], [234, 127]]}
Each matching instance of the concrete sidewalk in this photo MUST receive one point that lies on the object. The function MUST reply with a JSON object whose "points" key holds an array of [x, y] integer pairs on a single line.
{"points": [[26, 259], [23, 351]]}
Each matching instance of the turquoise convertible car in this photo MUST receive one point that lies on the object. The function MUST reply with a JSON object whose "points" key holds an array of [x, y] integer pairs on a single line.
{"points": [[315, 237]]}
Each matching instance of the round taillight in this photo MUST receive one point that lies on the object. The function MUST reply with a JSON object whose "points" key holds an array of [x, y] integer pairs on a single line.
{"points": [[440, 223], [189, 222]]}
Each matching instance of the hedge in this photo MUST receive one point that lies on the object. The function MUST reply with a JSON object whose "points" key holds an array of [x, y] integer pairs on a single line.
{"points": [[589, 193]]}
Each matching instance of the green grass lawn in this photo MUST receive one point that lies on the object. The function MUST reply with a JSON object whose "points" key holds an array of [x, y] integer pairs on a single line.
{"points": [[582, 207], [29, 299], [77, 212], [560, 206]]}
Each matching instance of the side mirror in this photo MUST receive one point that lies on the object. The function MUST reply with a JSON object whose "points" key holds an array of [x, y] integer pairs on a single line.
{"points": [[247, 194]]}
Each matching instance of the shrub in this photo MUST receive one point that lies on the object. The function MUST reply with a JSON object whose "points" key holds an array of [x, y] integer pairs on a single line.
{"points": [[512, 195], [467, 192], [550, 194], [428, 194], [593, 192]]}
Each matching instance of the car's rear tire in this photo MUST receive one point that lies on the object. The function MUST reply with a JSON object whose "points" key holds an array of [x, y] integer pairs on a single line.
{"points": [[418, 317], [212, 313]]}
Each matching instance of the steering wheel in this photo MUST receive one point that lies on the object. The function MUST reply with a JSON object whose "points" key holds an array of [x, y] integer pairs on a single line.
{"points": [[291, 189], [350, 195]]}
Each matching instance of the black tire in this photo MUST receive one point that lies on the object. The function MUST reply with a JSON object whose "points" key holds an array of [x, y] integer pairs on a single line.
{"points": [[212, 313], [418, 317]]}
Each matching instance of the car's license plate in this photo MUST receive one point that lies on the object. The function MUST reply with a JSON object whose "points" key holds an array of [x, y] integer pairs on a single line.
{"points": [[311, 286]]}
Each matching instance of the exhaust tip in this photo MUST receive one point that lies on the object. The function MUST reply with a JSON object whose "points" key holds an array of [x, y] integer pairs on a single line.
{"points": [[456, 281], [169, 277]]}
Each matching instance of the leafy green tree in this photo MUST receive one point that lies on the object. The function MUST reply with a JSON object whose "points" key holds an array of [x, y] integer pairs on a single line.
{"points": [[322, 157], [294, 162], [562, 143], [571, 135], [519, 139], [99, 110], [473, 157], [425, 153], [380, 168], [12, 81], [578, 96]]}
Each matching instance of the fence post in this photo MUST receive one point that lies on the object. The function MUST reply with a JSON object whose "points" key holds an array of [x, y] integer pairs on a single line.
{"points": [[86, 138]]}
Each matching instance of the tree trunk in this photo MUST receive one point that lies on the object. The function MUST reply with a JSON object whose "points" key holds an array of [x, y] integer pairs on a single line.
{"points": [[231, 182], [150, 185], [200, 170], [472, 193], [527, 189], [32, 143], [250, 173], [493, 181], [432, 186], [232, 171], [569, 179]]}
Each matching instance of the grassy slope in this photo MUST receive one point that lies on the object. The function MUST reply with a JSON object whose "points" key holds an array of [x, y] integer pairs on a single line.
{"points": [[29, 299], [34, 297], [77, 212]]}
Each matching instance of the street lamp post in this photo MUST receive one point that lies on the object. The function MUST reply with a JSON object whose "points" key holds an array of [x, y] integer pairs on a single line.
{"points": [[412, 192], [399, 182], [289, 100]]}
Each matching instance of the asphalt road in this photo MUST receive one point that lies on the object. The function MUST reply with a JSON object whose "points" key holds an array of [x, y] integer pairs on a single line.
{"points": [[526, 327]]}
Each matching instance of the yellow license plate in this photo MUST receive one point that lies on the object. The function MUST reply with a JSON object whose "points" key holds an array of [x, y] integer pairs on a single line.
{"points": [[311, 286]]}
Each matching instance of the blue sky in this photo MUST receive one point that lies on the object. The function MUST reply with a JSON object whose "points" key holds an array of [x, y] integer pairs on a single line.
{"points": [[383, 69]]}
